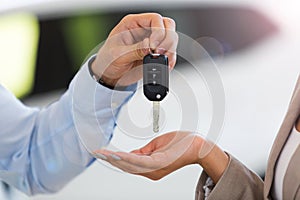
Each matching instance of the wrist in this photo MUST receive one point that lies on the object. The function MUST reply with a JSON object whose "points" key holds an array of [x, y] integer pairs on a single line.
{"points": [[99, 77], [107, 82], [213, 160]]}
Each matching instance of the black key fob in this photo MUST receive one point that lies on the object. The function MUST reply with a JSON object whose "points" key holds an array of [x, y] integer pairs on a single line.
{"points": [[155, 77]]}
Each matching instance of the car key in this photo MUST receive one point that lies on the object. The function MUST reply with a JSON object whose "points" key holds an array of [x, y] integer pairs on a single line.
{"points": [[155, 82]]}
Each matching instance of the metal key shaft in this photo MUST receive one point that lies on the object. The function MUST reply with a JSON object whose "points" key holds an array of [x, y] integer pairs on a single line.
{"points": [[156, 108]]}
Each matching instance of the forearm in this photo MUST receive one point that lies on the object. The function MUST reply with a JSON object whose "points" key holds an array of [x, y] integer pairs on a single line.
{"points": [[215, 162], [81, 121], [41, 150], [56, 154], [236, 182], [224, 169]]}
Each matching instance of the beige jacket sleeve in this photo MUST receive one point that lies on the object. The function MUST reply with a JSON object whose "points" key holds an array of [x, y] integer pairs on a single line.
{"points": [[237, 182]]}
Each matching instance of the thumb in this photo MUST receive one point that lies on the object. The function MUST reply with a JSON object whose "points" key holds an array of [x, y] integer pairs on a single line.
{"points": [[145, 150], [138, 50]]}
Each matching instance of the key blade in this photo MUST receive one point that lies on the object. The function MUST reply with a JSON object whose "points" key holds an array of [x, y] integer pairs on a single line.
{"points": [[156, 108]]}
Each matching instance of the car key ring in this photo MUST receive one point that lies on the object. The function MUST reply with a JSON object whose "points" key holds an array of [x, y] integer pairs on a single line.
{"points": [[155, 82]]}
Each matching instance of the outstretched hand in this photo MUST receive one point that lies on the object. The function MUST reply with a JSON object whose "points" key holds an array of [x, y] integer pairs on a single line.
{"points": [[158, 158]]}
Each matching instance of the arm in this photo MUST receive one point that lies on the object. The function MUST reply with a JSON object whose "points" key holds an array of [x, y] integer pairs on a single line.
{"points": [[40, 149], [236, 182], [174, 150]]}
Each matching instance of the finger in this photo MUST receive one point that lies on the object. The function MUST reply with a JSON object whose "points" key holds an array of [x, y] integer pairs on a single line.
{"points": [[132, 35], [142, 151], [164, 141], [168, 161], [155, 22], [155, 161], [172, 57], [152, 146], [129, 167], [145, 150], [136, 51], [133, 75], [156, 144], [148, 21], [126, 167], [131, 158], [120, 161], [116, 161], [156, 37], [138, 34], [170, 42], [102, 154], [136, 151]]}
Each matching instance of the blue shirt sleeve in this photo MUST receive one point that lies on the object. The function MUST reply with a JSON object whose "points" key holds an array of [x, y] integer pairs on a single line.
{"points": [[41, 150]]}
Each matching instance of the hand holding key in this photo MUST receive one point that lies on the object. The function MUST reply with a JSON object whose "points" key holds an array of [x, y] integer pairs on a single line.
{"points": [[119, 61], [155, 82]]}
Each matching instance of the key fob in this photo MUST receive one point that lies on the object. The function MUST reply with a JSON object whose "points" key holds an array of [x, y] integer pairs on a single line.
{"points": [[155, 77]]}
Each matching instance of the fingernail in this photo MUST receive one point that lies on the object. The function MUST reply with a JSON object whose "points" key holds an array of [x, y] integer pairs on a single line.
{"points": [[101, 156], [160, 50], [115, 157]]}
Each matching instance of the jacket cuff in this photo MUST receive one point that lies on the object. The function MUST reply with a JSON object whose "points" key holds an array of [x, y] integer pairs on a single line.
{"points": [[237, 182]]}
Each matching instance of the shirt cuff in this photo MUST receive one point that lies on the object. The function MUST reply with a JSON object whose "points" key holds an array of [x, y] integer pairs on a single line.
{"points": [[208, 187], [95, 108]]}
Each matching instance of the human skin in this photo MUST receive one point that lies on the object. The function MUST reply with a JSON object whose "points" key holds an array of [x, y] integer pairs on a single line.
{"points": [[119, 60], [160, 157], [167, 153]]}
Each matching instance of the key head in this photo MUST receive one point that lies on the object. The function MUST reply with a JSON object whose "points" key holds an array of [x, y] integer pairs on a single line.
{"points": [[155, 77]]}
